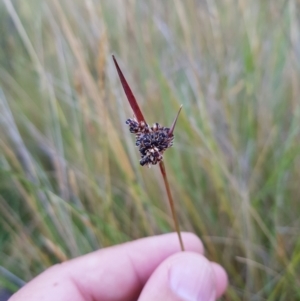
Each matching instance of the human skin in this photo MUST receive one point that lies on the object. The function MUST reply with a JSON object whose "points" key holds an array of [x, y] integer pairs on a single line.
{"points": [[146, 269]]}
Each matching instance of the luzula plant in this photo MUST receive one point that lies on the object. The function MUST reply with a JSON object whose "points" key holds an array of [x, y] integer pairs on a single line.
{"points": [[152, 141]]}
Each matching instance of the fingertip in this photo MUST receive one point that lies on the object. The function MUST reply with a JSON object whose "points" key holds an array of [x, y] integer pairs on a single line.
{"points": [[182, 276], [221, 278], [192, 242]]}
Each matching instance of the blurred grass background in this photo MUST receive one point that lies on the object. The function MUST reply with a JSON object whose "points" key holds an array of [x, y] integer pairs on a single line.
{"points": [[70, 180]]}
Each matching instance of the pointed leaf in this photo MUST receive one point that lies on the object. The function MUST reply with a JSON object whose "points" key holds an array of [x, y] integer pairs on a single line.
{"points": [[174, 122], [131, 99]]}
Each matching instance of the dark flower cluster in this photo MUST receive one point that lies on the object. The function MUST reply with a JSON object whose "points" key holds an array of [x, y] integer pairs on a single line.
{"points": [[151, 141]]}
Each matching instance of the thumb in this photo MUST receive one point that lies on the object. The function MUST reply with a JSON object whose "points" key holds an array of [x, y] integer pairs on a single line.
{"points": [[184, 276]]}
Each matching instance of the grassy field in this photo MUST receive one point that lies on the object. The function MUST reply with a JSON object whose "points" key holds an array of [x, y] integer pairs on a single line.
{"points": [[70, 179]]}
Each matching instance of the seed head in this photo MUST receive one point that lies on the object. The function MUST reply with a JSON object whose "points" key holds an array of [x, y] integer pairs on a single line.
{"points": [[151, 141]]}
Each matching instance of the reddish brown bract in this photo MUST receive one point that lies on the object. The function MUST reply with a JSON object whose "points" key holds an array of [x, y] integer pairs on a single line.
{"points": [[131, 99]]}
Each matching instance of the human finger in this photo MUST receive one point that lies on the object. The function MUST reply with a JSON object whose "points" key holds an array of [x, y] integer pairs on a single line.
{"points": [[111, 274], [185, 276], [221, 279]]}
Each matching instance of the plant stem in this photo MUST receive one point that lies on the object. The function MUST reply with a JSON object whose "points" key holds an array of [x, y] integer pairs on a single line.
{"points": [[164, 174], [140, 117]]}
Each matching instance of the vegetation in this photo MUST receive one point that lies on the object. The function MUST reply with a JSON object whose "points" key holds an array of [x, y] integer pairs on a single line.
{"points": [[70, 179]]}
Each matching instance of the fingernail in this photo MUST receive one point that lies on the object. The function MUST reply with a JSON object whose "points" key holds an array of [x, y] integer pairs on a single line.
{"points": [[193, 279]]}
